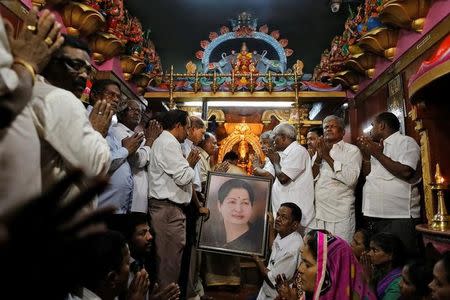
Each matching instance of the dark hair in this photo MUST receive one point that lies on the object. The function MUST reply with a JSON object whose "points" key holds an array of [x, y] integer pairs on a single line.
{"points": [[391, 244], [389, 119], [74, 42], [169, 119], [206, 137], [196, 122], [366, 237], [420, 274], [100, 254], [296, 212], [225, 189], [230, 156], [316, 130], [311, 240], [99, 86], [127, 223], [446, 261]]}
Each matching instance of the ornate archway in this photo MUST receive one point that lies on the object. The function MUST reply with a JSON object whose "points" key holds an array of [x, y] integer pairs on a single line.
{"points": [[238, 133]]}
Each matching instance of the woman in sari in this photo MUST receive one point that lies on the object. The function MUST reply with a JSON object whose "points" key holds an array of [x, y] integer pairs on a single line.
{"points": [[387, 257], [328, 271]]}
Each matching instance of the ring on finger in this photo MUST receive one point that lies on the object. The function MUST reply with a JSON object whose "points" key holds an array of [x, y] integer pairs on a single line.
{"points": [[48, 41], [100, 113], [32, 28]]}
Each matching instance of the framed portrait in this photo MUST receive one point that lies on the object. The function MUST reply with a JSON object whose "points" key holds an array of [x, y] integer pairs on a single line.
{"points": [[238, 207]]}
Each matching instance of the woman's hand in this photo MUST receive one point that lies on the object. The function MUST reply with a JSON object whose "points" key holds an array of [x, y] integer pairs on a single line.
{"points": [[285, 292], [367, 266]]}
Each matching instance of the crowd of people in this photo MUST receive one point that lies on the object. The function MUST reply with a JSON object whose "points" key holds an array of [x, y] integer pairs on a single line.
{"points": [[98, 202]]}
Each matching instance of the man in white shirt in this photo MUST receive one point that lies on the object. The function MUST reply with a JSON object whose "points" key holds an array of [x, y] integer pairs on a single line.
{"points": [[208, 147], [134, 163], [170, 180], [291, 168], [391, 200], [285, 256], [312, 137], [266, 140], [336, 171], [68, 140], [20, 59]]}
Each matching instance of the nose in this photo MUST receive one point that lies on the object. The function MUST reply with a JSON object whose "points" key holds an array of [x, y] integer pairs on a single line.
{"points": [[148, 236]]}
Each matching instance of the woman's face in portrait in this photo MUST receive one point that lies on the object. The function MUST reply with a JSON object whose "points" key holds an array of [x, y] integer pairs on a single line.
{"points": [[236, 207]]}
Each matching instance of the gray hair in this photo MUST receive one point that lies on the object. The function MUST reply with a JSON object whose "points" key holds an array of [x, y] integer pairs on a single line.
{"points": [[123, 105], [338, 120], [285, 129], [266, 135]]}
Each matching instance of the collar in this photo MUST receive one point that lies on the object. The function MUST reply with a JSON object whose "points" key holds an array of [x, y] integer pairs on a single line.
{"points": [[289, 148], [203, 153], [128, 130], [390, 139], [339, 144], [88, 294], [169, 135], [188, 143], [282, 243]]}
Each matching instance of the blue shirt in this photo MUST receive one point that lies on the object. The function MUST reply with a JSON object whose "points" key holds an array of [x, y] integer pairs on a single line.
{"points": [[119, 191]]}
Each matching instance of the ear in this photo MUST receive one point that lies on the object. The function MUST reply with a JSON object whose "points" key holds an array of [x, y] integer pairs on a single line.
{"points": [[295, 225], [111, 279]]}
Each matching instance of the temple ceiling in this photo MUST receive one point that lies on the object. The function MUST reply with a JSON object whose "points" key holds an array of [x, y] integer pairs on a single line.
{"points": [[178, 26]]}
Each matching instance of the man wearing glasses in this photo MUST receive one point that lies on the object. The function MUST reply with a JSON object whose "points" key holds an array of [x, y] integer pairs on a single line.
{"points": [[68, 140]]}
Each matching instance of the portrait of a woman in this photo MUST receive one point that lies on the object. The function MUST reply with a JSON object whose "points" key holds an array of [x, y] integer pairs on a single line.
{"points": [[233, 224]]}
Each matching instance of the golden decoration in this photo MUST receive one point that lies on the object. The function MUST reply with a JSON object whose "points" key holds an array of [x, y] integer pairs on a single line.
{"points": [[408, 14], [441, 220], [81, 19], [142, 80], [348, 78], [363, 63], [105, 46], [220, 115], [131, 66], [381, 41], [237, 132], [281, 115]]}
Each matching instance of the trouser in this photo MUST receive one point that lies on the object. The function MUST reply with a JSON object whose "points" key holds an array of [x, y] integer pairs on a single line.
{"points": [[344, 229], [404, 228], [169, 225]]}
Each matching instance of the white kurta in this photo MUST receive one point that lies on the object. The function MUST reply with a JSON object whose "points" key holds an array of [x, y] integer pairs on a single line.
{"points": [[296, 164]]}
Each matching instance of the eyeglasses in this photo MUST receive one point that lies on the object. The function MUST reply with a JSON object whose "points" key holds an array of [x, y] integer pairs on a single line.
{"points": [[77, 65]]}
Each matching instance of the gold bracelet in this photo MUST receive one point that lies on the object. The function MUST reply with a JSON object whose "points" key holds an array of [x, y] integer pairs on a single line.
{"points": [[27, 66]]}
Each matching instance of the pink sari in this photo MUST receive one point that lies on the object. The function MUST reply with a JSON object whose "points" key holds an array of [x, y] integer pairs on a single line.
{"points": [[339, 274]]}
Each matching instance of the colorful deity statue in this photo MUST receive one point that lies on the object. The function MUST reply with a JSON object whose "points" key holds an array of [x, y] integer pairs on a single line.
{"points": [[338, 54], [244, 64]]}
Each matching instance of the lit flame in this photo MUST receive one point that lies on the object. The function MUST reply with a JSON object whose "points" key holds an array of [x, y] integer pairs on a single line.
{"points": [[438, 177]]}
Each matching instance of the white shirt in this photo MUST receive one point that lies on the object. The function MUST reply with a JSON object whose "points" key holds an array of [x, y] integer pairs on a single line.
{"points": [[20, 161], [334, 190], [170, 176], [386, 196], [67, 138], [87, 295], [205, 165], [296, 164], [186, 147], [138, 162], [285, 258]]}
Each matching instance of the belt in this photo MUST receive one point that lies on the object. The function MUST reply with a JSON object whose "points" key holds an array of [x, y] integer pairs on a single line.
{"points": [[168, 202]]}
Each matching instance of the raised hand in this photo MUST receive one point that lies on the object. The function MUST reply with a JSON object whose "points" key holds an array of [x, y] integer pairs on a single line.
{"points": [[193, 157], [369, 147], [272, 155], [139, 286], [101, 116], [54, 228], [204, 211], [152, 131], [38, 39], [170, 292], [133, 142], [285, 292], [323, 149]]}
